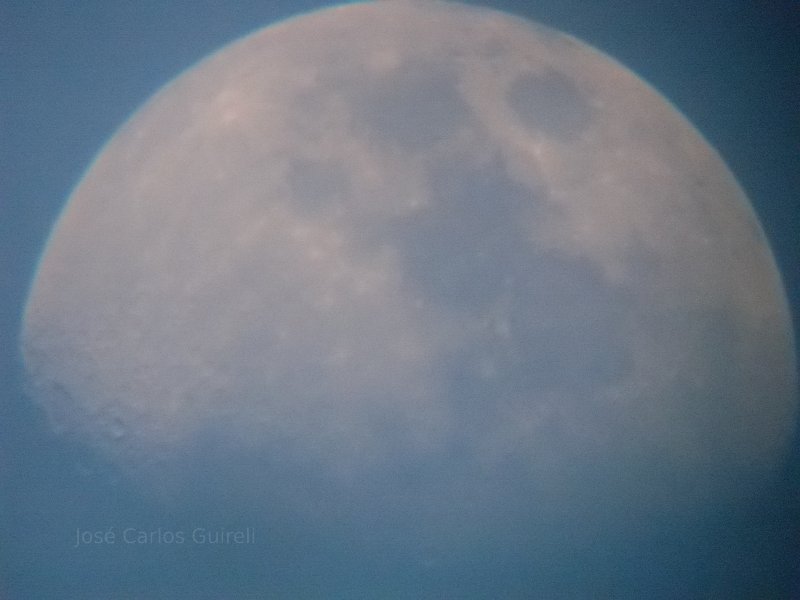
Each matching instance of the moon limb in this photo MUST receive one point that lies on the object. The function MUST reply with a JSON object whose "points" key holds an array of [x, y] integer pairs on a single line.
{"points": [[189, 292]]}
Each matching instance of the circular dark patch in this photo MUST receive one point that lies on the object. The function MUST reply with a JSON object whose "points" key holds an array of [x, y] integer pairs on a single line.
{"points": [[550, 103]]}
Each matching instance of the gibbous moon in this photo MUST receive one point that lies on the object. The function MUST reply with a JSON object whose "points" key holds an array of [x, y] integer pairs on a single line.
{"points": [[426, 276]]}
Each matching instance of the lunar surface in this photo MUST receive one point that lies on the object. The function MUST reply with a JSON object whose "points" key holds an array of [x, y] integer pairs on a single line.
{"points": [[451, 282]]}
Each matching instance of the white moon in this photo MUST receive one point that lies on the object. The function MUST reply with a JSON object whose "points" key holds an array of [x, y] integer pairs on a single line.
{"points": [[419, 267]]}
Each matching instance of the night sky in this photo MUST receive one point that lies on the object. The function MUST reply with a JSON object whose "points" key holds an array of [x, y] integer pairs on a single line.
{"points": [[72, 73]]}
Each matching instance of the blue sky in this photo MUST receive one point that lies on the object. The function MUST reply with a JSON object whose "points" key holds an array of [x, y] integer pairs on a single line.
{"points": [[71, 73]]}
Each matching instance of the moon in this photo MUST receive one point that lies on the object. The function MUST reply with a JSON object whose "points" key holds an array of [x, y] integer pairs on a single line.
{"points": [[449, 281]]}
